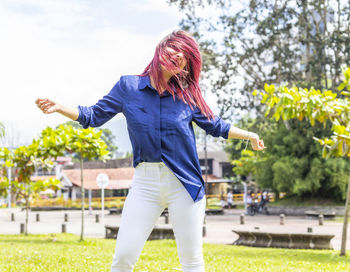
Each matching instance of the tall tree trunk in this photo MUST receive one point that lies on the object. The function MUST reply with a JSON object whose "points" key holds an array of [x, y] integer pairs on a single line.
{"points": [[82, 197], [345, 224], [27, 208], [348, 35], [27, 215], [325, 43], [336, 67], [307, 41]]}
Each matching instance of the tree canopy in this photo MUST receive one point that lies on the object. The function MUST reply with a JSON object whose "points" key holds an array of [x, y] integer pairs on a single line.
{"points": [[322, 106], [250, 43], [107, 136]]}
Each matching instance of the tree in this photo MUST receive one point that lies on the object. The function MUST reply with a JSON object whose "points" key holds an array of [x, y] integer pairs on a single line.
{"points": [[128, 154], [292, 162], [250, 43], [107, 136], [51, 144], [5, 163], [25, 159], [2, 130], [245, 164], [288, 103], [86, 143]]}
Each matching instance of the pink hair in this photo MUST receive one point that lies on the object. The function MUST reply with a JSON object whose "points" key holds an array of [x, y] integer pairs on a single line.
{"points": [[186, 83]]}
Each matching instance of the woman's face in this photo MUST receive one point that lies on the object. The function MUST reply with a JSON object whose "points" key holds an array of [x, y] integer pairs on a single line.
{"points": [[180, 62]]}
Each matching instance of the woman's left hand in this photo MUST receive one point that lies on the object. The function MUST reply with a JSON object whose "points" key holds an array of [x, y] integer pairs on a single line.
{"points": [[257, 144]]}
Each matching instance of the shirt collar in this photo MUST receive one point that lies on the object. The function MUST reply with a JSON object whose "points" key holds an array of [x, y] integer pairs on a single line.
{"points": [[146, 82]]}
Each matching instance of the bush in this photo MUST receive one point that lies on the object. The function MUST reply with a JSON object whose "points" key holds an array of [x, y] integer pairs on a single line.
{"points": [[60, 202]]}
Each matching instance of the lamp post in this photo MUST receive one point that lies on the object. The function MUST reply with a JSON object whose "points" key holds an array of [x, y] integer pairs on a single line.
{"points": [[245, 197], [206, 159], [102, 182], [90, 208]]}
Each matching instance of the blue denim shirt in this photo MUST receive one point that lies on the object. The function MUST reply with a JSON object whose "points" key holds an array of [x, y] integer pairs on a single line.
{"points": [[159, 126]]}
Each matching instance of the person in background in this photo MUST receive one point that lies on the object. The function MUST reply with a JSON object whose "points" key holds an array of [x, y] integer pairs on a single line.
{"points": [[230, 199], [248, 200], [263, 200], [248, 197]]}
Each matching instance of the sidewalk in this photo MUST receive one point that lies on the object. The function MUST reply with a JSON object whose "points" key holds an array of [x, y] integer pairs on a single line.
{"points": [[219, 227]]}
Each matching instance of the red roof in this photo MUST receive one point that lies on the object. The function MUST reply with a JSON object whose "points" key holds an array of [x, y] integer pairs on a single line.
{"points": [[119, 178], [36, 178], [211, 177]]}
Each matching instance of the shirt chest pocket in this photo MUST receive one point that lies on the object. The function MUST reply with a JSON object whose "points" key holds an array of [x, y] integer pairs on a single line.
{"points": [[178, 121], [138, 118]]}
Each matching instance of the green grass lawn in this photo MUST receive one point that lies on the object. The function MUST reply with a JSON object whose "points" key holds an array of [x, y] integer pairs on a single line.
{"points": [[63, 252], [339, 219]]}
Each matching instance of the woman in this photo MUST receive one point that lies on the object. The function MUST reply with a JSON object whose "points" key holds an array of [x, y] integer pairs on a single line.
{"points": [[159, 106]]}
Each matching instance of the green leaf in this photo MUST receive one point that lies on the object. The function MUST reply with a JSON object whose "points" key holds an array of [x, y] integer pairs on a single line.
{"points": [[312, 121], [265, 97], [342, 85], [347, 74], [345, 93], [53, 152], [324, 152]]}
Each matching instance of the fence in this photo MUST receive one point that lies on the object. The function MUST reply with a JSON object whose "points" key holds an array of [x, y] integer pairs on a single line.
{"points": [[119, 201], [109, 202]]}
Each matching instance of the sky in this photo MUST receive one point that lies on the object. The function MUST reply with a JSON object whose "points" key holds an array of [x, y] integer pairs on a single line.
{"points": [[73, 52]]}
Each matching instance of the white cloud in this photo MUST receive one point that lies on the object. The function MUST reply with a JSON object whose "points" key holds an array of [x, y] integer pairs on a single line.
{"points": [[72, 52], [154, 5], [44, 54]]}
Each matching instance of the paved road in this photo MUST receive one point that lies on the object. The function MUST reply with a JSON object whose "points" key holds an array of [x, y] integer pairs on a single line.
{"points": [[219, 227]]}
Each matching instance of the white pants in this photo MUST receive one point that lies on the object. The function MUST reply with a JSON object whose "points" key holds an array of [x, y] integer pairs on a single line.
{"points": [[154, 187]]}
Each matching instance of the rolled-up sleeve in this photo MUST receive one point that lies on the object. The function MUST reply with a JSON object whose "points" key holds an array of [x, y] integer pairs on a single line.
{"points": [[215, 127], [105, 109]]}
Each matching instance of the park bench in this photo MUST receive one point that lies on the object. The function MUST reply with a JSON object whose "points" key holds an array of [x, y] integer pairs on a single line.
{"points": [[115, 211], [284, 240], [214, 211], [161, 231], [208, 211], [315, 215]]}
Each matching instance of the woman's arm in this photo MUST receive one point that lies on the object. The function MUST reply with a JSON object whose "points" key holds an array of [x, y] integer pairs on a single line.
{"points": [[48, 106], [95, 115], [237, 133], [218, 127]]}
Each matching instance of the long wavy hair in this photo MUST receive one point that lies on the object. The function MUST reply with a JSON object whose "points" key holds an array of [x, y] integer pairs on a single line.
{"points": [[185, 85]]}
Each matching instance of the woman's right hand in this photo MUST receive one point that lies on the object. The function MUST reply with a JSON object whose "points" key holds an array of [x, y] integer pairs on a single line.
{"points": [[257, 144], [47, 106]]}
